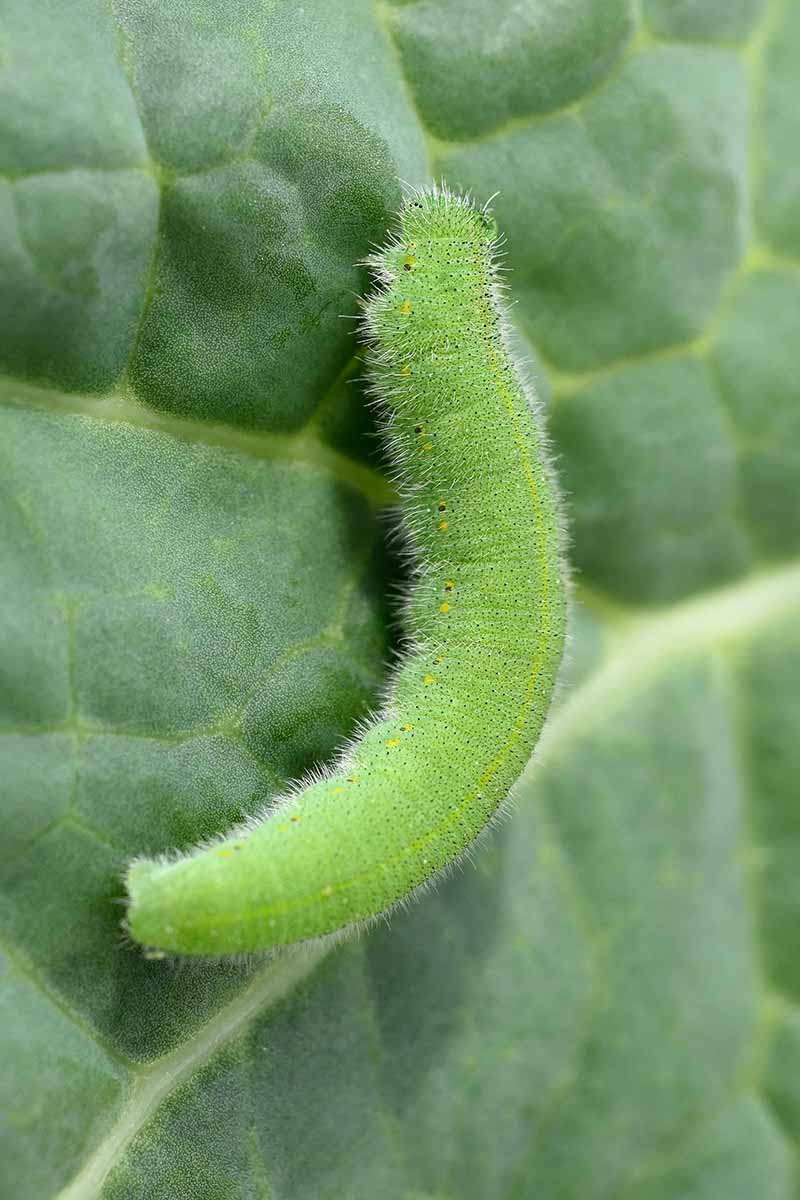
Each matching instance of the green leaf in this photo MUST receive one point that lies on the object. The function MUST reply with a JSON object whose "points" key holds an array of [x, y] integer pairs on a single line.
{"points": [[194, 606]]}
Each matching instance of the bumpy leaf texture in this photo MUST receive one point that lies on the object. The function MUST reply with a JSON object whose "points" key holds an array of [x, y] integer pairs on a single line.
{"points": [[193, 594]]}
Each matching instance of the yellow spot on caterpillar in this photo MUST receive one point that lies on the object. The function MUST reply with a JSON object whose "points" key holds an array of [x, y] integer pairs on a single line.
{"points": [[283, 829], [428, 446], [296, 817], [404, 370], [444, 608], [337, 790], [429, 679], [405, 308], [444, 526], [406, 728], [449, 585], [353, 778], [442, 506], [409, 263], [411, 246], [439, 659], [225, 852], [392, 742], [239, 846]]}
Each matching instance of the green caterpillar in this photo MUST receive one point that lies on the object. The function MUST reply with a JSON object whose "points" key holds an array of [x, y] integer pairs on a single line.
{"points": [[486, 619]]}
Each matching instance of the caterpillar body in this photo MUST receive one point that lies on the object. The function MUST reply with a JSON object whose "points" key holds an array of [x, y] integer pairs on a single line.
{"points": [[486, 624]]}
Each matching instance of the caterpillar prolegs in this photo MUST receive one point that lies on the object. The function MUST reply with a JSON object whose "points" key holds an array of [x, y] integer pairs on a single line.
{"points": [[486, 622]]}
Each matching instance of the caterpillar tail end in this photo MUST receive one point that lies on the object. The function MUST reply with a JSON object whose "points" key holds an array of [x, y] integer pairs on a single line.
{"points": [[190, 907], [145, 917]]}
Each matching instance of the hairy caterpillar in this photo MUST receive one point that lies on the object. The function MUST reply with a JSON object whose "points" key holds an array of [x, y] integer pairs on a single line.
{"points": [[486, 620]]}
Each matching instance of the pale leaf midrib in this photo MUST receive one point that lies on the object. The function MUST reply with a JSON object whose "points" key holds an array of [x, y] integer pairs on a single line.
{"points": [[641, 645], [158, 1080]]}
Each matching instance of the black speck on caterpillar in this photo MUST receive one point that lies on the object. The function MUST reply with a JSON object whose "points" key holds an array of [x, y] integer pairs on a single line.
{"points": [[486, 619]]}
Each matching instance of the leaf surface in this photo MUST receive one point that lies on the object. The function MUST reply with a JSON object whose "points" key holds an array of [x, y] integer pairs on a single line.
{"points": [[195, 609]]}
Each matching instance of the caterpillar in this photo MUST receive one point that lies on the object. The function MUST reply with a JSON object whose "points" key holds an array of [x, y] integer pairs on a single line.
{"points": [[485, 623]]}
